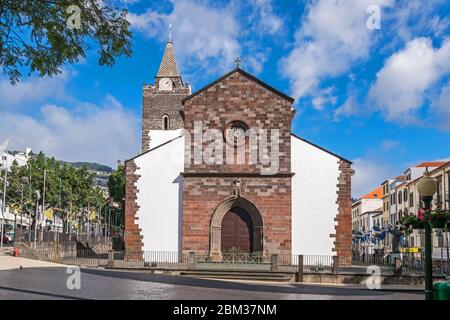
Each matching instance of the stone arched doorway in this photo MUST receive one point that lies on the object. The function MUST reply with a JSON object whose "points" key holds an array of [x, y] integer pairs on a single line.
{"points": [[236, 212], [237, 231]]}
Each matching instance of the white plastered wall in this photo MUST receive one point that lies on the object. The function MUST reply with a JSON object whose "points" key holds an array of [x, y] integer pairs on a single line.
{"points": [[314, 196], [158, 137], [160, 196]]}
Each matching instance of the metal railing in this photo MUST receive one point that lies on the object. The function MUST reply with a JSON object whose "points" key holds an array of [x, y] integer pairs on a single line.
{"points": [[52, 236], [70, 256], [233, 257], [165, 259], [406, 264], [319, 263]]}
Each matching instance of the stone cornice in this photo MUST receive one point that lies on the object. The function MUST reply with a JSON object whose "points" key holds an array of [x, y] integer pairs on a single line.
{"points": [[235, 175]]}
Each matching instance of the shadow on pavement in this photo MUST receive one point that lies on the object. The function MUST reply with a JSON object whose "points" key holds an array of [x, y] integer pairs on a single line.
{"points": [[41, 293], [218, 284]]}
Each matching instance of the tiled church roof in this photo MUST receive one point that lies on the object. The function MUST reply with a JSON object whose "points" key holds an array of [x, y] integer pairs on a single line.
{"points": [[168, 67]]}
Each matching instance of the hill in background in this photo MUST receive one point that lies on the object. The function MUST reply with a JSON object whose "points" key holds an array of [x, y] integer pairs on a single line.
{"points": [[92, 166]]}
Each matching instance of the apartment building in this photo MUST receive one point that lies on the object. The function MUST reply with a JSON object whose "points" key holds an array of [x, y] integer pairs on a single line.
{"points": [[365, 208], [393, 199], [356, 211], [385, 197], [441, 199]]}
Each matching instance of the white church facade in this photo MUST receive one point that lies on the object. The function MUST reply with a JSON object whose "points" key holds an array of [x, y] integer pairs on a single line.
{"points": [[184, 195]]}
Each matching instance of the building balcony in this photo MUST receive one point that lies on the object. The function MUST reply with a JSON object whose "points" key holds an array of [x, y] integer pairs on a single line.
{"points": [[438, 200]]}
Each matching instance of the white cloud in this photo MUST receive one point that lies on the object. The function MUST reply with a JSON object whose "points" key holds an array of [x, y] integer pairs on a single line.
{"points": [[256, 61], [87, 132], [369, 174], [438, 25], [401, 85], [323, 98], [414, 17], [33, 90], [332, 38], [212, 35], [390, 145], [266, 20], [379, 163], [201, 32], [440, 108], [350, 107]]}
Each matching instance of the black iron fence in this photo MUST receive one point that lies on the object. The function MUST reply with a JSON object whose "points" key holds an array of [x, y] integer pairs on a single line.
{"points": [[44, 236], [406, 264]]}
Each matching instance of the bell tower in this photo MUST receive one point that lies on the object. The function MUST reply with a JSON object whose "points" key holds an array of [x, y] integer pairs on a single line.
{"points": [[161, 107]]}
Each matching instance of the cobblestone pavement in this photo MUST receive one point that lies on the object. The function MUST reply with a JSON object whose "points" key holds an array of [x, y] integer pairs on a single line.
{"points": [[43, 280]]}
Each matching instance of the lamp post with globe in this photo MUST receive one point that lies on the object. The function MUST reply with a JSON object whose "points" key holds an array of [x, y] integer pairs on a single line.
{"points": [[427, 187]]}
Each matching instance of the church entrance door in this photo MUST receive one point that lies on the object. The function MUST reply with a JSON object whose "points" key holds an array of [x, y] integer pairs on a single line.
{"points": [[237, 231]]}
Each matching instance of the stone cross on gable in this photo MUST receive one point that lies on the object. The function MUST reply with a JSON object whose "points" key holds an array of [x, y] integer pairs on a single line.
{"points": [[237, 61]]}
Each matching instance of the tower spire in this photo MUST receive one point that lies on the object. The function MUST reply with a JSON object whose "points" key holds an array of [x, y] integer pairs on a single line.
{"points": [[170, 32], [168, 67]]}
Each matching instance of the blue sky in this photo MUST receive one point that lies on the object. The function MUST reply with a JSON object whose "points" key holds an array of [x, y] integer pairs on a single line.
{"points": [[379, 97]]}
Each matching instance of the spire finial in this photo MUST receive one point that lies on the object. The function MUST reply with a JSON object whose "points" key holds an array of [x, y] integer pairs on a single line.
{"points": [[237, 61], [170, 32]]}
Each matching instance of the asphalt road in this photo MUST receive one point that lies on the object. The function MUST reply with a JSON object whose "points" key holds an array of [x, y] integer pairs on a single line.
{"points": [[51, 283]]}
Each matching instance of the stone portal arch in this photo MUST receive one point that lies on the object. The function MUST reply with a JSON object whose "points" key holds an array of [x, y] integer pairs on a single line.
{"points": [[215, 250]]}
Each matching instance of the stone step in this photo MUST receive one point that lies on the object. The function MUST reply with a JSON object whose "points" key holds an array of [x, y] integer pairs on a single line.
{"points": [[239, 275], [6, 251]]}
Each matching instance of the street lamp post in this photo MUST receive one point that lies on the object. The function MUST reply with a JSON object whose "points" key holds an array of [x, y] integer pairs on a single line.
{"points": [[36, 216], [427, 187], [4, 201], [24, 181], [43, 195]]}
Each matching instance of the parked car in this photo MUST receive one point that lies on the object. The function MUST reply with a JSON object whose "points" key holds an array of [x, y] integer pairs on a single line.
{"points": [[8, 237]]}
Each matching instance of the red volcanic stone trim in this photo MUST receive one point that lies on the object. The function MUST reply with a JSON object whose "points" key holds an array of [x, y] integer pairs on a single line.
{"points": [[205, 186], [343, 234], [272, 197], [239, 98], [133, 237]]}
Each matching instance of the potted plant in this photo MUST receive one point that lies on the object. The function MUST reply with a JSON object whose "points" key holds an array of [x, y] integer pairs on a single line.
{"points": [[438, 218]]}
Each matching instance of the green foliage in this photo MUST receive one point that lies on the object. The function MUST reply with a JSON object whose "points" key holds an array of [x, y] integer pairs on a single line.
{"points": [[35, 34], [68, 191], [116, 188], [437, 218], [116, 184]]}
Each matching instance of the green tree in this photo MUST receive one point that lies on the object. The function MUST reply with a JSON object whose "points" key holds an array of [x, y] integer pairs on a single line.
{"points": [[43, 35], [116, 188], [68, 191]]}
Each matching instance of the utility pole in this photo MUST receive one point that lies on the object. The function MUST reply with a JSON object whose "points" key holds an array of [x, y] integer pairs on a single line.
{"points": [[4, 201], [43, 195], [21, 213], [36, 218], [60, 207]]}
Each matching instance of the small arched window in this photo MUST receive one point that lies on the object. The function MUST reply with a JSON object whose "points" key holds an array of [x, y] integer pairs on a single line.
{"points": [[165, 122]]}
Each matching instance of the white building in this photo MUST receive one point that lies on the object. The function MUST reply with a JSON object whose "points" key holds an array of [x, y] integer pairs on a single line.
{"points": [[6, 160]]}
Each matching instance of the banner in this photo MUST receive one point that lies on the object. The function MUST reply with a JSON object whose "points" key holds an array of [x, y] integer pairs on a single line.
{"points": [[48, 214]]}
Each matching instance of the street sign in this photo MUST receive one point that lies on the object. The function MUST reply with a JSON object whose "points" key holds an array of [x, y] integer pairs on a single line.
{"points": [[410, 250]]}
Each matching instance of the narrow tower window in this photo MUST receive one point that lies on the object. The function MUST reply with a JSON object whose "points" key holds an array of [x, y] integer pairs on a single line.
{"points": [[165, 122]]}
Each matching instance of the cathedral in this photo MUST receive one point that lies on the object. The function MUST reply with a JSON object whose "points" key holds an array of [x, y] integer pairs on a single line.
{"points": [[220, 171]]}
